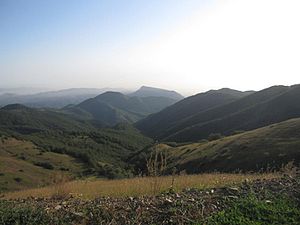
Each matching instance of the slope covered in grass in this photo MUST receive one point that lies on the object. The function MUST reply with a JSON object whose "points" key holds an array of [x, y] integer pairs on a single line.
{"points": [[271, 105], [111, 108], [268, 147], [156, 125], [102, 150], [24, 165]]}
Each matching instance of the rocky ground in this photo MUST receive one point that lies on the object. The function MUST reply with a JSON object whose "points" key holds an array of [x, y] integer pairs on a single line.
{"points": [[190, 206]]}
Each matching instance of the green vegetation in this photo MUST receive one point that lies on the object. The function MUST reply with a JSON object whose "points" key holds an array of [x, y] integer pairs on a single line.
{"points": [[11, 214], [22, 165], [259, 109], [45, 140], [254, 211], [157, 125], [112, 108], [264, 149]]}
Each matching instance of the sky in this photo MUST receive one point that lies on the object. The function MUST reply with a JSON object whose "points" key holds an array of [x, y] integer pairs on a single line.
{"points": [[185, 45]]}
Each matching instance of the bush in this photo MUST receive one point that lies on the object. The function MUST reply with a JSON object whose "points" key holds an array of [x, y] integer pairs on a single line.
{"points": [[45, 165], [18, 179]]}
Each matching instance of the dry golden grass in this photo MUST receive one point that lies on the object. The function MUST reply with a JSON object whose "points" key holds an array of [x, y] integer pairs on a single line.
{"points": [[90, 189]]}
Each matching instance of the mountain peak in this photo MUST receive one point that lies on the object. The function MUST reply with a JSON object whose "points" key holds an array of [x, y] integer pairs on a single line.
{"points": [[146, 91]]}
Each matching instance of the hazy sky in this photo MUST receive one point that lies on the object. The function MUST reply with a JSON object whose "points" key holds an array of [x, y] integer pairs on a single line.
{"points": [[187, 45]]}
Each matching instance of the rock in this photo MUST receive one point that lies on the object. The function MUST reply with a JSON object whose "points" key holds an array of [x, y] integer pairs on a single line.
{"points": [[234, 189], [58, 207], [168, 200]]}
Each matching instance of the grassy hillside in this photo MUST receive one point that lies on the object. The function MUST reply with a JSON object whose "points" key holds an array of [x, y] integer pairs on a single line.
{"points": [[271, 105], [24, 165], [260, 109], [157, 125], [268, 147], [102, 150], [112, 108]]}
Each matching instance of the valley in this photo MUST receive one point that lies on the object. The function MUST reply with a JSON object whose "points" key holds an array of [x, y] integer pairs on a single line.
{"points": [[141, 144]]}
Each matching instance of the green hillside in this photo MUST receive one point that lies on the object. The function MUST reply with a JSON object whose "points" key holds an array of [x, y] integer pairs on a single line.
{"points": [[102, 150], [157, 125], [268, 147], [256, 110], [260, 109], [112, 108], [25, 165]]}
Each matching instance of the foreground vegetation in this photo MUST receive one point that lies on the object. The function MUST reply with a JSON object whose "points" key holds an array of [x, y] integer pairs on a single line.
{"points": [[90, 189], [255, 210], [263, 202]]}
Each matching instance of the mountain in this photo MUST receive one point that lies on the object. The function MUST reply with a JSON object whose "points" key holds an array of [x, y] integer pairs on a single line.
{"points": [[260, 109], [156, 125], [156, 92], [261, 149], [271, 105], [101, 151], [52, 99], [111, 108]]}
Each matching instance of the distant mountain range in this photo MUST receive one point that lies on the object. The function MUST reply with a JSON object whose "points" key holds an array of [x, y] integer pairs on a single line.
{"points": [[52, 99], [73, 96], [224, 112], [112, 108]]}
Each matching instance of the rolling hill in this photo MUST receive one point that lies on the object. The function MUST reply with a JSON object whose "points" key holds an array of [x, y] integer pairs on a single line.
{"points": [[271, 105], [261, 149], [111, 108], [101, 150], [158, 124], [25, 165]]}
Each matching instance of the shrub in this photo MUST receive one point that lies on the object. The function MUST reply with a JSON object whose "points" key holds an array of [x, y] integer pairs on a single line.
{"points": [[214, 136], [45, 165], [18, 179]]}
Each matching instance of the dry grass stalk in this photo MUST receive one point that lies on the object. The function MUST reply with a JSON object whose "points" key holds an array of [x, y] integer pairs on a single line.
{"points": [[290, 169], [140, 185], [60, 187], [156, 165]]}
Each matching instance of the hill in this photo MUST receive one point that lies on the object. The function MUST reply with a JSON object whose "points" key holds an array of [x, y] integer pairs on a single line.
{"points": [[158, 124], [101, 150], [24, 165], [111, 108], [268, 106], [271, 105], [265, 148], [145, 91]]}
